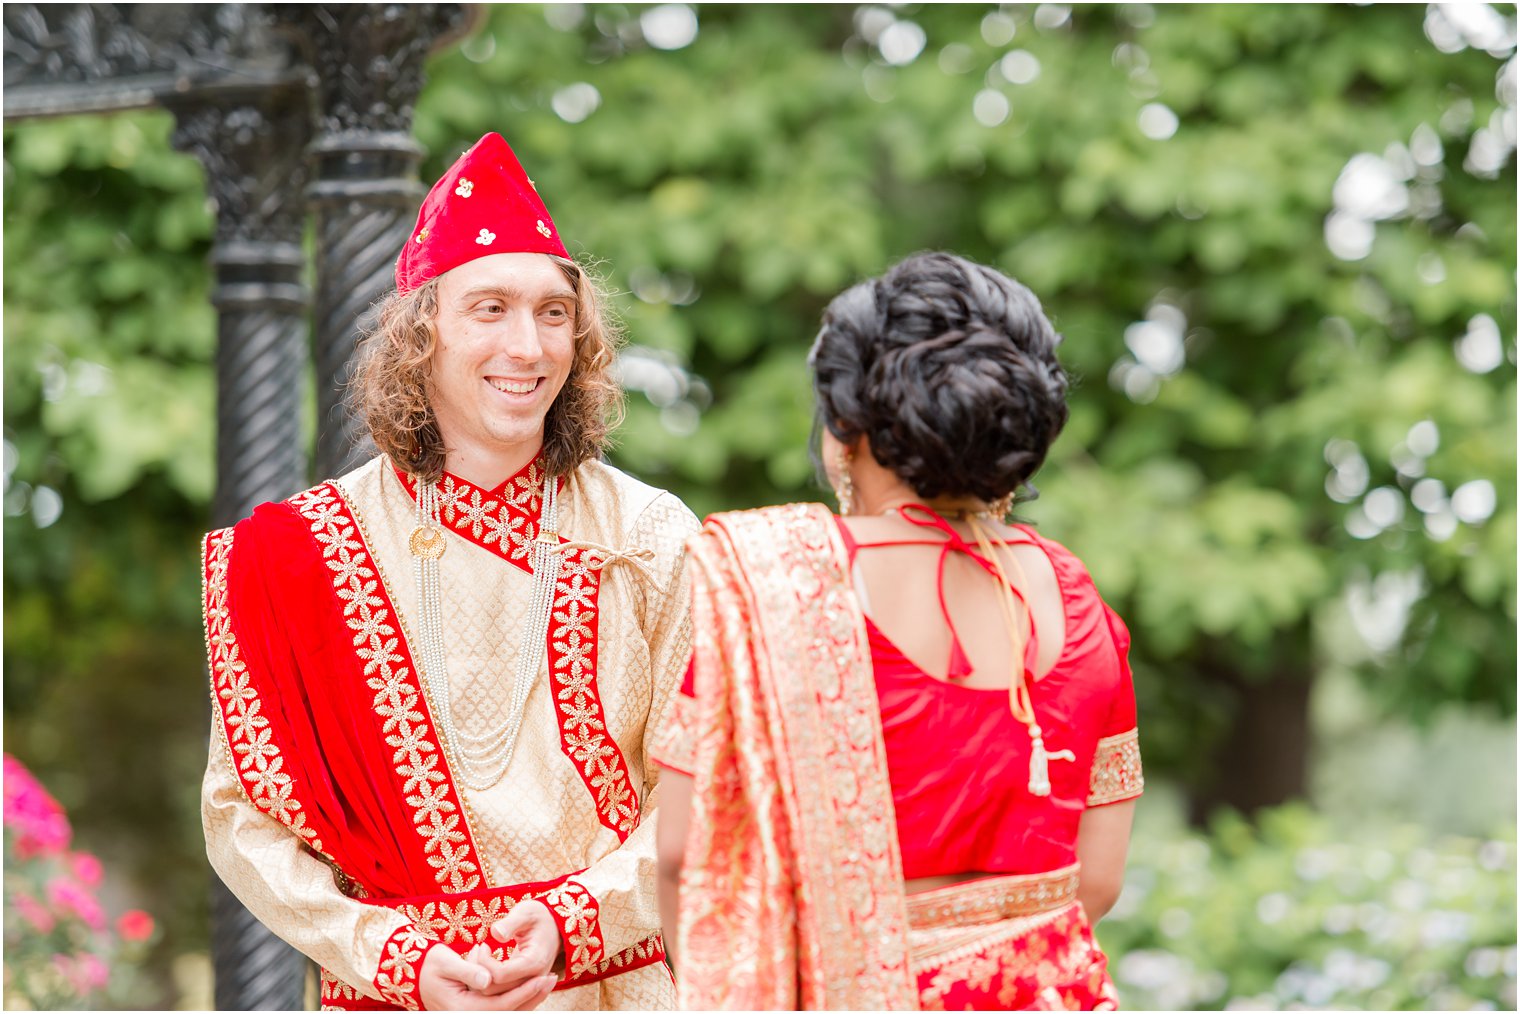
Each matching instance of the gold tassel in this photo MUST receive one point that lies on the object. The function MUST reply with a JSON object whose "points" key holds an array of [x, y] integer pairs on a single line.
{"points": [[1039, 762]]}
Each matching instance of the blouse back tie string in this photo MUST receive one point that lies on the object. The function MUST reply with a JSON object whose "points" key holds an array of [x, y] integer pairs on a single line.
{"points": [[1010, 597]]}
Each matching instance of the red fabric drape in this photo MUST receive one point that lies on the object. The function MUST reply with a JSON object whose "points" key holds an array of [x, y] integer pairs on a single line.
{"points": [[312, 687]]}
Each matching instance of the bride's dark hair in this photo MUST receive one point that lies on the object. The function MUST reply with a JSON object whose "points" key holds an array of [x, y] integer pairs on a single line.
{"points": [[949, 369]]}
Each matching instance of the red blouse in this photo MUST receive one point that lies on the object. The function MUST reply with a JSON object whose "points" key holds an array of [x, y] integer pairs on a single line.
{"points": [[958, 759]]}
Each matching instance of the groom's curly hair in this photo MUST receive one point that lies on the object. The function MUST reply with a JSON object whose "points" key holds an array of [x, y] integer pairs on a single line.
{"points": [[390, 384]]}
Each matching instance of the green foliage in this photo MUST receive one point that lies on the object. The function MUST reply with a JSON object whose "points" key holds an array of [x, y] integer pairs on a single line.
{"points": [[109, 426], [108, 331], [1291, 915], [732, 186], [729, 188]]}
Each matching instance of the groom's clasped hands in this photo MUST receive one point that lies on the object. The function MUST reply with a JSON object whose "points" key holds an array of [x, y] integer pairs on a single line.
{"points": [[477, 981]]}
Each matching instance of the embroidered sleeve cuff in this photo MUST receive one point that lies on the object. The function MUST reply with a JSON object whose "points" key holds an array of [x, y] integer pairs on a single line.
{"points": [[400, 965], [1116, 772], [576, 914], [675, 745]]}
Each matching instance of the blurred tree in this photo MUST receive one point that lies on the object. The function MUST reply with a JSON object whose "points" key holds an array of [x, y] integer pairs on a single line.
{"points": [[1280, 241], [109, 429]]}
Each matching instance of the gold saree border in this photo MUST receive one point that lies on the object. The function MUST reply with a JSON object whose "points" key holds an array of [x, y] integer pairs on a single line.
{"points": [[1047, 961], [992, 898], [782, 601]]}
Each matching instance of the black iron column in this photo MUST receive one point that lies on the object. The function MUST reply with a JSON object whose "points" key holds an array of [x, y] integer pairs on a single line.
{"points": [[243, 104], [365, 192], [252, 145]]}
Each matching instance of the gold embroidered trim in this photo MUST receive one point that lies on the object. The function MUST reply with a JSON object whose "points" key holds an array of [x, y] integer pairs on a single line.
{"points": [[645, 952], [994, 898], [583, 730], [335, 989], [934, 949], [338, 995], [675, 745], [576, 911], [506, 524], [1042, 962], [400, 961], [465, 923], [247, 736], [509, 523], [387, 664], [1116, 772]]}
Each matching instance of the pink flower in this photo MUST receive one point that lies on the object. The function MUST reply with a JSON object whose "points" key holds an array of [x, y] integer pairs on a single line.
{"points": [[85, 974], [35, 913], [67, 896], [91, 973], [87, 869], [31, 814], [135, 925]]}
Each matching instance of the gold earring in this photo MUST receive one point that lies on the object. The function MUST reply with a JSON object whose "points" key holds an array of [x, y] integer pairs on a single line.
{"points": [[844, 486]]}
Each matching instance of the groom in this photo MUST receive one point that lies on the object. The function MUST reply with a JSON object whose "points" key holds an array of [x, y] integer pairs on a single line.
{"points": [[436, 677]]}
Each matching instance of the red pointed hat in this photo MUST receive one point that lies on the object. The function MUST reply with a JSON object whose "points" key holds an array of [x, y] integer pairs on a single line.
{"points": [[485, 204]]}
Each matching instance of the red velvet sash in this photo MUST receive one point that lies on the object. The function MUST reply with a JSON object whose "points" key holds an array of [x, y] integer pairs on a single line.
{"points": [[321, 706]]}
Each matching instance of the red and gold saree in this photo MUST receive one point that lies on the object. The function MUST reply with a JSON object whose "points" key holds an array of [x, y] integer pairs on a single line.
{"points": [[792, 893]]}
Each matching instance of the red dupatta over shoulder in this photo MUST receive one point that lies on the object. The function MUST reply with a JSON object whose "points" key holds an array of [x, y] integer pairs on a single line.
{"points": [[322, 709], [791, 894]]}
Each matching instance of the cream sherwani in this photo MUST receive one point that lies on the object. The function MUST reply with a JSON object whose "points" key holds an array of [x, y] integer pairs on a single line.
{"points": [[579, 796]]}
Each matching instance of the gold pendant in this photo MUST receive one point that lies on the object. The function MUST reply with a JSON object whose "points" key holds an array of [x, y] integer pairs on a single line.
{"points": [[426, 542]]}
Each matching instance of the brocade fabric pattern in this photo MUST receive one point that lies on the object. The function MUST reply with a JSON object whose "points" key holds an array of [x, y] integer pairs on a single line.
{"points": [[579, 796], [1116, 770], [1047, 961], [791, 894], [792, 889]]}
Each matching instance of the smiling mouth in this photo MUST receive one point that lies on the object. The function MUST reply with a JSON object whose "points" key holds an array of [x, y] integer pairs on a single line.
{"points": [[514, 386]]}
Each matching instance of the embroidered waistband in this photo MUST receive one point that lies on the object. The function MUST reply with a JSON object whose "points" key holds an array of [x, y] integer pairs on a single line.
{"points": [[994, 898]]}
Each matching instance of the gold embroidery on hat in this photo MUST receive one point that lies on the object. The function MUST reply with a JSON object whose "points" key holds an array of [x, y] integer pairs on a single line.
{"points": [[422, 235], [465, 187], [532, 184], [486, 237], [544, 229]]}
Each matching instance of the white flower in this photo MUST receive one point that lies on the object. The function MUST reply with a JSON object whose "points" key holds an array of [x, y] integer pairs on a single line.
{"points": [[465, 187], [544, 229], [486, 237]]}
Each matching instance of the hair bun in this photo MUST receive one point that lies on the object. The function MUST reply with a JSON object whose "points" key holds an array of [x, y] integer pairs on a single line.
{"points": [[949, 369]]}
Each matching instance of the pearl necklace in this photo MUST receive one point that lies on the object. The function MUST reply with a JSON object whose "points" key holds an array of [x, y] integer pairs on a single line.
{"points": [[482, 759]]}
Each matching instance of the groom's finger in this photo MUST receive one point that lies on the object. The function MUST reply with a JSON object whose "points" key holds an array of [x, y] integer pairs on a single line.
{"points": [[467, 973], [530, 994], [504, 975]]}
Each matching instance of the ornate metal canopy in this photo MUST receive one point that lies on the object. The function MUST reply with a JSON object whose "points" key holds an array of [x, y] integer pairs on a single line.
{"points": [[293, 109]]}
